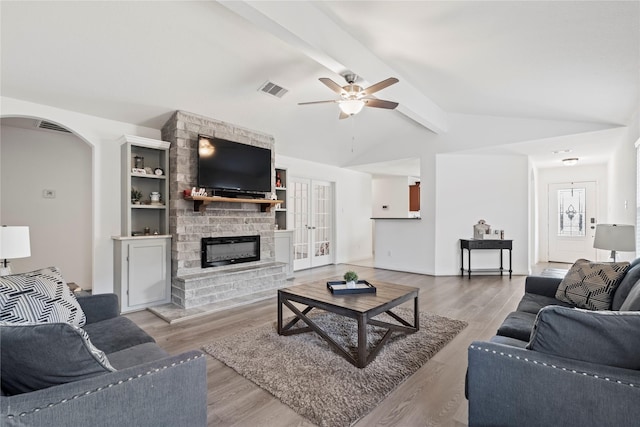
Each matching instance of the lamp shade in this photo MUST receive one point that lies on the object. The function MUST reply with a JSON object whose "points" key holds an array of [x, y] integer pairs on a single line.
{"points": [[14, 242], [351, 106], [615, 237]]}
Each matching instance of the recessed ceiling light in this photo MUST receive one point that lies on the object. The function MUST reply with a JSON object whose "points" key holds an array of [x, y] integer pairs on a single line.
{"points": [[567, 150], [570, 161]]}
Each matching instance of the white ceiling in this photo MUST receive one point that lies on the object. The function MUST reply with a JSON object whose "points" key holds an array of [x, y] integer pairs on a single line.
{"points": [[139, 61]]}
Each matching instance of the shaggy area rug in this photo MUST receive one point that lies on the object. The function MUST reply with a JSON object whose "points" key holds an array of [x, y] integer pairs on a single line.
{"points": [[308, 376]]}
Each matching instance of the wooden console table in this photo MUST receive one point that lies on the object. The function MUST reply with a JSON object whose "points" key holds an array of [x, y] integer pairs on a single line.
{"points": [[470, 244]]}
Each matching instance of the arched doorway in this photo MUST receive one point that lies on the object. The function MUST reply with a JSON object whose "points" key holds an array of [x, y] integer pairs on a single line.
{"points": [[46, 184]]}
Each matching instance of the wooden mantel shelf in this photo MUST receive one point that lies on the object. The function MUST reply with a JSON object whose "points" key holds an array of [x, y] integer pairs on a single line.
{"points": [[200, 202]]}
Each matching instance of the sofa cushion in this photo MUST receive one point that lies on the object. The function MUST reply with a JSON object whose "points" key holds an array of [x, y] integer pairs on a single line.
{"points": [[632, 302], [591, 285], [136, 355], [517, 325], [38, 296], [116, 334], [40, 355], [533, 303], [629, 280], [603, 337]]}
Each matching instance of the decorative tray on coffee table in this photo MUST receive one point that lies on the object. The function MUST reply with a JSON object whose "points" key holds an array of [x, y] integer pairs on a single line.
{"points": [[340, 287]]}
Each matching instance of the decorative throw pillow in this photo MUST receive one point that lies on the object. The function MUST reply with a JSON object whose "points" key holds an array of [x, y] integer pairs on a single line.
{"points": [[632, 301], [40, 355], [605, 337], [591, 285], [38, 296]]}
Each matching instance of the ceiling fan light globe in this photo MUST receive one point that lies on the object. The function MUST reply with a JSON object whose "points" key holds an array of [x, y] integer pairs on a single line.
{"points": [[351, 106]]}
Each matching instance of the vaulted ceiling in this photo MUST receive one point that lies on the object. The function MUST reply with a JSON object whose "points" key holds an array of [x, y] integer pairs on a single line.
{"points": [[138, 61]]}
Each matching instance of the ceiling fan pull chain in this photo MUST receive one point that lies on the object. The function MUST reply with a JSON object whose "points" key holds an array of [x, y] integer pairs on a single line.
{"points": [[353, 131]]}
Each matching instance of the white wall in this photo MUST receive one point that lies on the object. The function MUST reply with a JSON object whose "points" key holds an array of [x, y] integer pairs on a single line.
{"points": [[467, 188], [352, 201], [60, 228], [393, 192], [622, 185], [471, 188], [102, 135]]}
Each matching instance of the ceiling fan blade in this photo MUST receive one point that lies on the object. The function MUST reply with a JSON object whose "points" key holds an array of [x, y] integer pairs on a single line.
{"points": [[343, 115], [332, 85], [380, 85], [316, 102], [380, 103]]}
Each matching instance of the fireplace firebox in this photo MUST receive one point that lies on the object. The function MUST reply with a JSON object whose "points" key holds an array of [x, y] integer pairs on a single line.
{"points": [[217, 251]]}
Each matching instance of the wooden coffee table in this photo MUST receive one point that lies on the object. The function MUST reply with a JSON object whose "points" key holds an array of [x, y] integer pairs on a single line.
{"points": [[362, 307]]}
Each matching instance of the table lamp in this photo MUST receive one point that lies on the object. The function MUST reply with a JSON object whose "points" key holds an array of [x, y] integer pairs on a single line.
{"points": [[615, 237], [14, 243]]}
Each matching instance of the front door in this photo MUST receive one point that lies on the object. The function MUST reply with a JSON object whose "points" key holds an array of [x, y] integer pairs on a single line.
{"points": [[311, 204], [572, 221]]}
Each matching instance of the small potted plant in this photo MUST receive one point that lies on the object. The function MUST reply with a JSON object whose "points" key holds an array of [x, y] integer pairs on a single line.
{"points": [[351, 277], [136, 195]]}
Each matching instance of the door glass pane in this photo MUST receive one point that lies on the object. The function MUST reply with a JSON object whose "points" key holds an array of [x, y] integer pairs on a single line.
{"points": [[300, 215], [322, 233], [571, 212]]}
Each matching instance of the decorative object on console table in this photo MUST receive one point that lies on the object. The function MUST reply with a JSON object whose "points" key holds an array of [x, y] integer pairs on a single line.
{"points": [[615, 237], [483, 231], [14, 243], [480, 229], [470, 244]]}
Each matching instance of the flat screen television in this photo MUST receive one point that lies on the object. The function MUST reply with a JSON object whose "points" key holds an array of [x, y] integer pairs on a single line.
{"points": [[232, 167]]}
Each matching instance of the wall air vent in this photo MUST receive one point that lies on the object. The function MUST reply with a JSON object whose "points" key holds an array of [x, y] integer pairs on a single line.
{"points": [[43, 124], [273, 89]]}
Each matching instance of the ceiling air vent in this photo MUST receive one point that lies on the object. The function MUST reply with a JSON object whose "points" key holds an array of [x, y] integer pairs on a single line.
{"points": [[273, 89], [43, 124]]}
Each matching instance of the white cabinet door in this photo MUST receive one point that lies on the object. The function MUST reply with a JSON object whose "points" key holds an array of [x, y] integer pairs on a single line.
{"points": [[147, 278], [284, 249], [142, 271]]}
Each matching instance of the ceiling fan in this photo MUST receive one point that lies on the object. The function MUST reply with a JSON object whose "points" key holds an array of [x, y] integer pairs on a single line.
{"points": [[353, 97]]}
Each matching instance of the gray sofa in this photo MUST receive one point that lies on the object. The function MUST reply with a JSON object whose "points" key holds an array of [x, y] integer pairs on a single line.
{"points": [[554, 364], [146, 387]]}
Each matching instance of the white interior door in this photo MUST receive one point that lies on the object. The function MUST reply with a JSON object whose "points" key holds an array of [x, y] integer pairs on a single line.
{"points": [[311, 205], [572, 221]]}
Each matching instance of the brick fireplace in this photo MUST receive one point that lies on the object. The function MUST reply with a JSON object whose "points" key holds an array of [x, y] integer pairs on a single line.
{"points": [[191, 284]]}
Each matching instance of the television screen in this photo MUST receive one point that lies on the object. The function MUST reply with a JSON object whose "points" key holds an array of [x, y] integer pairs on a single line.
{"points": [[228, 165]]}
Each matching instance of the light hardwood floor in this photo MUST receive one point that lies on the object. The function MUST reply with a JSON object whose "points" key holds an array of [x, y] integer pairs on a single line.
{"points": [[433, 396]]}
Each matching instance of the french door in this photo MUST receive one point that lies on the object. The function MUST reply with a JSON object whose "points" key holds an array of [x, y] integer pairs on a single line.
{"points": [[311, 206], [572, 221]]}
